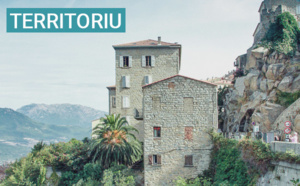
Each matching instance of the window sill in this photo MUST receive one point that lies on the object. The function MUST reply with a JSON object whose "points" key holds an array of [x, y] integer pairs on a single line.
{"points": [[157, 138], [156, 165], [189, 166], [125, 67], [148, 67]]}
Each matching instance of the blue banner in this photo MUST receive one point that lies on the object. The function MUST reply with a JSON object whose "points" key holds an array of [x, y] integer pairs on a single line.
{"points": [[66, 20]]}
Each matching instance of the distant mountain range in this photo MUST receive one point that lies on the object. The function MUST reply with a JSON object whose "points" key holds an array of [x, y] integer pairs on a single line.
{"points": [[62, 114], [21, 129]]}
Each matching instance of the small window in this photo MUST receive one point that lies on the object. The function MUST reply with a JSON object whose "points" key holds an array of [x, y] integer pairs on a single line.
{"points": [[148, 61], [188, 133], [148, 80], [125, 61], [188, 105], [125, 81], [154, 159], [113, 102], [188, 161], [156, 132], [126, 102]]}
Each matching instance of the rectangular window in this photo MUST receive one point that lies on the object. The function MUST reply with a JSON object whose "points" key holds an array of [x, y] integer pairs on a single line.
{"points": [[156, 132], [125, 61], [148, 80], [148, 61], [156, 102], [188, 133], [154, 159], [188, 161], [113, 101], [126, 102], [126, 81], [188, 105]]}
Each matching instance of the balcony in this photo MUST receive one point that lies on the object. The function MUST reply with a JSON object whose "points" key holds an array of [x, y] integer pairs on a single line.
{"points": [[138, 114]]}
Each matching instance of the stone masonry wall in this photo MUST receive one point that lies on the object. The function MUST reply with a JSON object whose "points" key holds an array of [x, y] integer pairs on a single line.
{"points": [[171, 116], [166, 65]]}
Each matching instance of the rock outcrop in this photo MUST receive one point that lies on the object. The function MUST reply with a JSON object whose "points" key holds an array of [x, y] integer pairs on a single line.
{"points": [[253, 98]]}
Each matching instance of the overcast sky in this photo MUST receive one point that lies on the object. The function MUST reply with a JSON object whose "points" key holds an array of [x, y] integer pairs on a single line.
{"points": [[76, 68]]}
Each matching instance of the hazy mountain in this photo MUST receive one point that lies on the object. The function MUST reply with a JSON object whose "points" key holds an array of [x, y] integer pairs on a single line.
{"points": [[18, 133], [62, 114]]}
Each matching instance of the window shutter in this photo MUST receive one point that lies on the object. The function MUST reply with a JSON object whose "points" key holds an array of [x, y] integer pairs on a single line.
{"points": [[146, 80], [130, 61], [149, 79], [121, 61], [152, 61], [159, 159], [298, 9], [127, 81], [123, 81], [127, 119], [150, 159], [127, 102], [124, 101], [143, 61]]}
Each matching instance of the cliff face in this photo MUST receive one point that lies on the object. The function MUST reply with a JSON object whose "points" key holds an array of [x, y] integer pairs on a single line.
{"points": [[253, 100]]}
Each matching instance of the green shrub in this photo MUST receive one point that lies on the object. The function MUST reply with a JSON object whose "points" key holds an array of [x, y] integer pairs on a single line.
{"points": [[286, 99], [283, 35]]}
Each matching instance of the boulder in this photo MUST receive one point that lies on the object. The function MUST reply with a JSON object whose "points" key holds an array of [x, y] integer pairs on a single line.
{"points": [[253, 74], [285, 84], [274, 71], [240, 85], [263, 85], [259, 52], [271, 84], [296, 84], [264, 68], [297, 123], [266, 114], [272, 96]]}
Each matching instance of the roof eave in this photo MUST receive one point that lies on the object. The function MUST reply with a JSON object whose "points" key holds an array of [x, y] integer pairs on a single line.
{"points": [[145, 46]]}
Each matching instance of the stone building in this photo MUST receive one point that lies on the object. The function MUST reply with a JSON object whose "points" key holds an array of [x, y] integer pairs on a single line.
{"points": [[178, 113], [137, 64], [172, 113], [269, 10]]}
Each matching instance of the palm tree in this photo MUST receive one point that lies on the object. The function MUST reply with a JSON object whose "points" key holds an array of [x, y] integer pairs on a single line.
{"points": [[115, 142]]}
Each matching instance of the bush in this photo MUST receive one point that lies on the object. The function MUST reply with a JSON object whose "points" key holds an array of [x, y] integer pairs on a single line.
{"points": [[286, 99], [283, 35]]}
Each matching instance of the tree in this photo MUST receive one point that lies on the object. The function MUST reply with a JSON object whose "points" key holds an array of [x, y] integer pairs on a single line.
{"points": [[115, 142]]}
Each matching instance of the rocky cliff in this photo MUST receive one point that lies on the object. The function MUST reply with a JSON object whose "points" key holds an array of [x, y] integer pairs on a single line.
{"points": [[254, 98]]}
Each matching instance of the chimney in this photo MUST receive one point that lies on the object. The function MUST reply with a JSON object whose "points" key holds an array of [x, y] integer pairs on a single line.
{"points": [[159, 40]]}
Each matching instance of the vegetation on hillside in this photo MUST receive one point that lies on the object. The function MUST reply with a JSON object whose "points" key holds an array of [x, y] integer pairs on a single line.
{"points": [[78, 162], [238, 162], [283, 35], [286, 98]]}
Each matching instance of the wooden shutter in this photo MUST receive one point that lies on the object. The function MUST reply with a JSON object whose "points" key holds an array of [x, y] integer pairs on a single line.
{"points": [[150, 157], [130, 61], [188, 133], [121, 61], [124, 101], [124, 81], [127, 102], [143, 61], [152, 61], [127, 119], [158, 159], [127, 81], [146, 80], [188, 160], [149, 79]]}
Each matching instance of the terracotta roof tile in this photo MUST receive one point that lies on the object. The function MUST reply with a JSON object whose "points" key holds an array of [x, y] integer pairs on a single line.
{"points": [[148, 42]]}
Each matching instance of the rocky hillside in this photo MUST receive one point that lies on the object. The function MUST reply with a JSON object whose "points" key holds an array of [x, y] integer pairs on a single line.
{"points": [[266, 84], [62, 114]]}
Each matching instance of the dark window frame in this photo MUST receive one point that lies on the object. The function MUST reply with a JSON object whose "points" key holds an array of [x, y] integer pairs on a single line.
{"points": [[188, 161], [125, 61], [148, 61], [113, 102], [157, 132]]}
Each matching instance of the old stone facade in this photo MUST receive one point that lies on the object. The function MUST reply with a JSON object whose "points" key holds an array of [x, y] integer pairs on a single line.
{"points": [[269, 10], [137, 64], [178, 113]]}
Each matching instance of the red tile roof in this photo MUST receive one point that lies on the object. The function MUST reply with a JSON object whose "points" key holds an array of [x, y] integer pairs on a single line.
{"points": [[111, 87], [179, 76], [148, 42]]}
